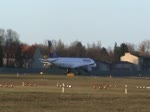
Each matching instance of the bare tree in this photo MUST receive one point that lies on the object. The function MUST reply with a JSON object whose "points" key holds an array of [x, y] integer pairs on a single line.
{"points": [[144, 48], [76, 49], [60, 48], [44, 50], [2, 31], [131, 47], [11, 46], [1, 46]]}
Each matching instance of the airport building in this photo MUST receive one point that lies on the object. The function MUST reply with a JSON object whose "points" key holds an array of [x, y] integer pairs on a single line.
{"points": [[142, 63]]}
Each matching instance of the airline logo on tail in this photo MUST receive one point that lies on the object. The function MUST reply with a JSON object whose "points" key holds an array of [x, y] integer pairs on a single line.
{"points": [[52, 53]]}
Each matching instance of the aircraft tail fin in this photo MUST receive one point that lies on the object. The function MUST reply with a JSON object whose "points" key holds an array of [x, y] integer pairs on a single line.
{"points": [[52, 52]]}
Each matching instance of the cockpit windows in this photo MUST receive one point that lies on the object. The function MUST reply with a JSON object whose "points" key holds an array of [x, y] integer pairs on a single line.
{"points": [[86, 60]]}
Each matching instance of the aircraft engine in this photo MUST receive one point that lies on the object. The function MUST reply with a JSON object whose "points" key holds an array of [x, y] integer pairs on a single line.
{"points": [[47, 64], [88, 69]]}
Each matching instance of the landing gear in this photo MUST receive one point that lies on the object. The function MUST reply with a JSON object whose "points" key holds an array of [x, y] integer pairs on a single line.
{"points": [[45, 67], [78, 73], [68, 71], [42, 71]]}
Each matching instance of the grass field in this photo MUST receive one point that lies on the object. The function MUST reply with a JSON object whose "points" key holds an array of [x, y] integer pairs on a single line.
{"points": [[82, 97]]}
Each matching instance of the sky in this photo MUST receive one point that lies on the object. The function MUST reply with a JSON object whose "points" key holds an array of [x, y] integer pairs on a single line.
{"points": [[88, 21]]}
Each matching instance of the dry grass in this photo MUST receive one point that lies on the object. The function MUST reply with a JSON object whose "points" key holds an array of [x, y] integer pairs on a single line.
{"points": [[46, 97]]}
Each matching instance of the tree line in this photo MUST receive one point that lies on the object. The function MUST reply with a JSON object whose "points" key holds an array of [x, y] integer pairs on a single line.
{"points": [[12, 53], [97, 51]]}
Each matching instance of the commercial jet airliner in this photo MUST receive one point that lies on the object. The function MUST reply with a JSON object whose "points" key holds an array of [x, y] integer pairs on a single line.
{"points": [[68, 63]]}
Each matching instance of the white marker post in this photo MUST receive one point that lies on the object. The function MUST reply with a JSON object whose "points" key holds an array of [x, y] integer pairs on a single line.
{"points": [[126, 91], [147, 87], [22, 83], [63, 89], [17, 74]]}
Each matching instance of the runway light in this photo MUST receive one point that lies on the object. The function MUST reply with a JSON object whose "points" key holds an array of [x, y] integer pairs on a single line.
{"points": [[140, 87], [70, 86], [110, 86], [41, 73], [57, 84], [94, 87], [104, 86], [11, 86]]}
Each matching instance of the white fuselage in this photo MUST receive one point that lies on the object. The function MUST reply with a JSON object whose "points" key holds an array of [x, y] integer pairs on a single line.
{"points": [[72, 63]]}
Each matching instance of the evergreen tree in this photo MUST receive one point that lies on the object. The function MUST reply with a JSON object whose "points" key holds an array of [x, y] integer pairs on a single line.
{"points": [[1, 56]]}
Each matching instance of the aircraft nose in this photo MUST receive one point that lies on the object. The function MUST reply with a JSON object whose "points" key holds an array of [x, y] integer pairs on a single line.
{"points": [[95, 65]]}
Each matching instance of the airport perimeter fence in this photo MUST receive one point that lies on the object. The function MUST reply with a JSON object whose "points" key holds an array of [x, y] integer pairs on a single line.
{"points": [[57, 71], [121, 73], [5, 70]]}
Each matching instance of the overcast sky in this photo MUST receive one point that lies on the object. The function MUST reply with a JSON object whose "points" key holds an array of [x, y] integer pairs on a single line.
{"points": [[88, 21]]}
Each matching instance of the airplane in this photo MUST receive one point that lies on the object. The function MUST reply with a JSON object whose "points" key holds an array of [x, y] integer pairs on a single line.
{"points": [[69, 63]]}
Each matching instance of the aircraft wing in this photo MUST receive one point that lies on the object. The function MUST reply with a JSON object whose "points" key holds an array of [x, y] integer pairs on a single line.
{"points": [[85, 67], [48, 60], [81, 65], [43, 60]]}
